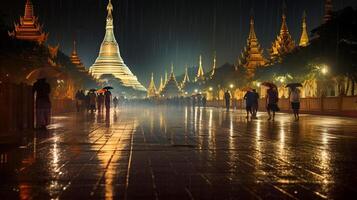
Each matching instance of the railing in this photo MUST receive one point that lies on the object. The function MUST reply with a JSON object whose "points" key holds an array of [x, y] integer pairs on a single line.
{"points": [[342, 106], [16, 107]]}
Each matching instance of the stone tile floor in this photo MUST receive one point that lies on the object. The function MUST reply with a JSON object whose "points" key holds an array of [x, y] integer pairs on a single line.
{"points": [[183, 153]]}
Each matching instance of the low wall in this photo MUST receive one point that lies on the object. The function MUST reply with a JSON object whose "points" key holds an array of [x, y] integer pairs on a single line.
{"points": [[340, 106]]}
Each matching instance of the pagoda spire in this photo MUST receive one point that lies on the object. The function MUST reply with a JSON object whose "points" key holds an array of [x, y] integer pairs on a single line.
{"points": [[29, 28], [186, 78], [171, 88], [304, 39], [151, 91], [328, 10], [161, 84], [252, 54], [284, 43], [214, 65], [166, 77], [200, 73], [75, 58]]}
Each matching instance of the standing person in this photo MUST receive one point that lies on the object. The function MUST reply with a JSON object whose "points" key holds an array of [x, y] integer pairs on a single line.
{"points": [[100, 102], [107, 100], [78, 100], [92, 101], [272, 102], [115, 102], [227, 97], [204, 101], [255, 104], [42, 92], [294, 97], [248, 97]]}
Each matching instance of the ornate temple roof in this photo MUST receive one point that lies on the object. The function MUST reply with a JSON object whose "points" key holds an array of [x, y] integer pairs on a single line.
{"points": [[151, 91], [304, 39], [110, 61], [284, 43], [29, 28], [76, 60], [252, 55], [200, 74], [171, 88]]}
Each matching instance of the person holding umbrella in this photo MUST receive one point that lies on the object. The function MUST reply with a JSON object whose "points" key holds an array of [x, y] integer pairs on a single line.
{"points": [[272, 99], [92, 100], [294, 97], [107, 98]]}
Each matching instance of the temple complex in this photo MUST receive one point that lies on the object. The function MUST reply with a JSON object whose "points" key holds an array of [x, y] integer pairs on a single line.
{"points": [[171, 88], [151, 91], [200, 74], [29, 27], [109, 60], [283, 44], [252, 55], [76, 60], [304, 39]]}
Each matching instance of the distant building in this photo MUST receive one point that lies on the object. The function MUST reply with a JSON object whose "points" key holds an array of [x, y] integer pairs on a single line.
{"points": [[151, 91], [200, 73], [252, 55], [304, 39], [186, 79], [171, 88], [76, 60], [29, 28]]}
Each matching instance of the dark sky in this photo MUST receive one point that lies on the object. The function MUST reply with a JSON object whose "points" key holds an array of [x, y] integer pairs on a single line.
{"points": [[154, 33]]}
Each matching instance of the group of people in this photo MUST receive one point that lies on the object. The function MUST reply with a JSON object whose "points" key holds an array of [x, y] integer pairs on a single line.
{"points": [[94, 100], [272, 98]]}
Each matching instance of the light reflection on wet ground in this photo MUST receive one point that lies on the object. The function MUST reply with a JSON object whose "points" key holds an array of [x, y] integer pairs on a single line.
{"points": [[184, 153]]}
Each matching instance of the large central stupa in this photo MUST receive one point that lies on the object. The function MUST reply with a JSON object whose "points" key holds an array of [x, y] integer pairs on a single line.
{"points": [[109, 60]]}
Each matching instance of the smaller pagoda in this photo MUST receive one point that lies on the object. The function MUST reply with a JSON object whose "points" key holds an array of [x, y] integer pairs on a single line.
{"points": [[171, 88], [283, 44], [252, 55], [29, 27], [304, 39], [200, 73], [186, 79], [151, 91], [76, 60]]}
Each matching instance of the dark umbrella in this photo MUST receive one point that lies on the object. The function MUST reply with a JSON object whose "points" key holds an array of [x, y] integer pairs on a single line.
{"points": [[269, 84], [292, 85], [108, 88], [93, 90]]}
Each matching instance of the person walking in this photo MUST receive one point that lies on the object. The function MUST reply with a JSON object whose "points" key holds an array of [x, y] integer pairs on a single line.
{"points": [[255, 104], [42, 92], [107, 100], [227, 97], [92, 101], [115, 102], [248, 97], [100, 102], [204, 101], [294, 97], [272, 102]]}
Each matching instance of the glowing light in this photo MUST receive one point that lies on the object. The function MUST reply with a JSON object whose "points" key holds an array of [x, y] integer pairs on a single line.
{"points": [[210, 89], [324, 70], [231, 86], [196, 90]]}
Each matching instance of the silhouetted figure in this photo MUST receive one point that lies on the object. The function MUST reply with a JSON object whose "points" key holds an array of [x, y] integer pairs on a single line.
{"points": [[248, 97], [294, 97], [227, 97], [100, 102], [204, 101], [115, 102], [42, 92], [272, 102], [78, 100], [255, 104], [107, 99], [92, 100]]}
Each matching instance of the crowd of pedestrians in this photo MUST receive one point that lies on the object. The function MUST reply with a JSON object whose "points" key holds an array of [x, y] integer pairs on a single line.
{"points": [[95, 100]]}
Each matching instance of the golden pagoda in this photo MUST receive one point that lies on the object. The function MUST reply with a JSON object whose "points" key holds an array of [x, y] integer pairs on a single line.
{"points": [[328, 10], [304, 39], [29, 28], [283, 44], [76, 60], [186, 79], [200, 73], [171, 88], [213, 66], [151, 91], [252, 55], [161, 85], [110, 61]]}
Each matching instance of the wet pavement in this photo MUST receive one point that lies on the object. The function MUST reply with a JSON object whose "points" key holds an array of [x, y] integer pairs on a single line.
{"points": [[184, 153]]}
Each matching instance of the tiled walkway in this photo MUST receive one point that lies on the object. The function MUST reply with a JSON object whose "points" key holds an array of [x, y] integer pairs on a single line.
{"points": [[184, 153]]}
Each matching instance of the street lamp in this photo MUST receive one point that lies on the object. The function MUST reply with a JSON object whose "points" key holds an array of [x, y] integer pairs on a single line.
{"points": [[324, 70], [196, 90], [210, 88], [231, 86]]}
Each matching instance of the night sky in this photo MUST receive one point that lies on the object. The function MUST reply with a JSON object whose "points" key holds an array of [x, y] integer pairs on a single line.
{"points": [[153, 33]]}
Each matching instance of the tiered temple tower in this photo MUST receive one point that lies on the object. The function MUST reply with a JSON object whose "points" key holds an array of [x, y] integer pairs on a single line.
{"points": [[252, 55], [171, 88], [283, 44], [304, 39], [151, 91], [29, 28], [109, 60], [200, 74], [186, 79], [328, 10], [76, 60]]}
